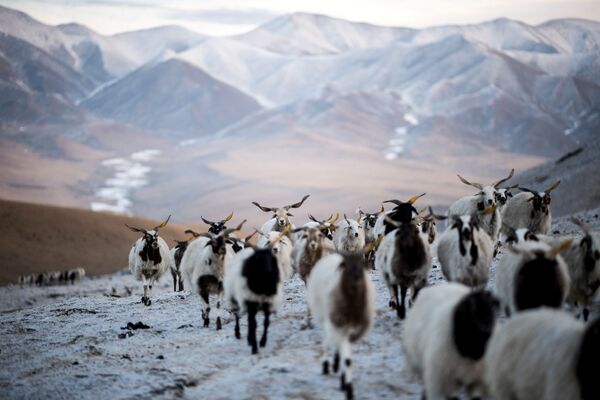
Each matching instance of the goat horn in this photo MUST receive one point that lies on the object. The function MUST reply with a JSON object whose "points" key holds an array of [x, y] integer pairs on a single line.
{"points": [[285, 231], [250, 236], [557, 184], [206, 221], [256, 230], [264, 209], [360, 212], [391, 221], [413, 199], [436, 216], [422, 211], [346, 219], [394, 201], [521, 188], [382, 209], [329, 219], [312, 218], [510, 175], [163, 224], [226, 232], [581, 225], [515, 186], [298, 204], [135, 229], [228, 217], [337, 216], [191, 232], [563, 246], [466, 182]]}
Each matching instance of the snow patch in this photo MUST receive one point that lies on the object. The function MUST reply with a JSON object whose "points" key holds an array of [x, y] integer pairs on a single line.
{"points": [[411, 119], [129, 174]]}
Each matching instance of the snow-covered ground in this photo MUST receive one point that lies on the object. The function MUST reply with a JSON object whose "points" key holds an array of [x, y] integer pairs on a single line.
{"points": [[130, 173], [68, 342]]}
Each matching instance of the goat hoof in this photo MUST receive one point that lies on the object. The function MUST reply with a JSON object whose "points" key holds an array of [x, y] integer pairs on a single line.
{"points": [[349, 391], [336, 363], [237, 335], [401, 312], [392, 304], [206, 322], [343, 381], [254, 349], [218, 323], [263, 342], [325, 367]]}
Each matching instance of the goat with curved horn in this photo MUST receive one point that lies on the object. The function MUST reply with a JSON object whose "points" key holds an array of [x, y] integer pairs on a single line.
{"points": [[163, 224], [298, 204], [501, 181], [466, 182]]}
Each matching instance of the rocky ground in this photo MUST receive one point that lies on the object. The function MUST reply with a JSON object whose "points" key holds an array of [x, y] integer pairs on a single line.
{"points": [[73, 342]]}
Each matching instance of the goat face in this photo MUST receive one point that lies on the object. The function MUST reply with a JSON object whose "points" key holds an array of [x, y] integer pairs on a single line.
{"points": [[151, 239], [217, 227], [370, 220], [486, 198], [541, 202], [353, 229], [428, 227], [502, 196], [314, 237], [281, 217], [466, 225]]}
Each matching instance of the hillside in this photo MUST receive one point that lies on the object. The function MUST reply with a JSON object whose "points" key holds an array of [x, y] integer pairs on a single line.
{"points": [[41, 238]]}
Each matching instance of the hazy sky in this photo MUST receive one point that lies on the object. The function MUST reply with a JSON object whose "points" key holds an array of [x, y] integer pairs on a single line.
{"points": [[222, 17]]}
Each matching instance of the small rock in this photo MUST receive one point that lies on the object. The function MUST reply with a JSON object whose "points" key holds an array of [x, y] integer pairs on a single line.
{"points": [[75, 363], [126, 357], [160, 357]]}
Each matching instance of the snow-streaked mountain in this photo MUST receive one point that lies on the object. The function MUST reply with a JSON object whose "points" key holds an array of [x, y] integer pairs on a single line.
{"points": [[173, 97], [311, 34]]}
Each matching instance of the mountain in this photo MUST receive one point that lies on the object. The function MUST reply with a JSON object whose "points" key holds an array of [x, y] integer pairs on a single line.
{"points": [[313, 34], [172, 97]]}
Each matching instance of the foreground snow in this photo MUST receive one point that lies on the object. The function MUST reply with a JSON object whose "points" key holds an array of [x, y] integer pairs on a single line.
{"points": [[63, 342]]}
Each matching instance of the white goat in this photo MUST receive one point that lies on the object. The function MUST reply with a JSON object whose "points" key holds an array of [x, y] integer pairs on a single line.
{"points": [[349, 236], [368, 221], [280, 217], [529, 209], [341, 296], [445, 337], [485, 198], [544, 354], [149, 258], [281, 248]]}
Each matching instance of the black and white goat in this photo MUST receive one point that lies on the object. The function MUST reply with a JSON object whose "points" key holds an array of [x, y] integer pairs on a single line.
{"points": [[403, 211], [280, 216], [149, 258], [485, 198], [465, 252], [177, 253], [404, 258], [203, 267], [253, 283], [529, 209]]}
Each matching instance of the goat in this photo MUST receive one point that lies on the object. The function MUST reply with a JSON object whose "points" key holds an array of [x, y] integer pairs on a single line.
{"points": [[203, 266], [445, 338], [253, 282], [349, 236], [402, 212], [485, 198], [280, 219], [341, 296], [149, 258], [530, 209], [217, 227], [404, 259], [368, 221], [544, 354]]}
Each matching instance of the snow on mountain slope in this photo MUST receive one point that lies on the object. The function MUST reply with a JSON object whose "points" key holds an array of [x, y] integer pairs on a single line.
{"points": [[312, 34], [172, 97]]}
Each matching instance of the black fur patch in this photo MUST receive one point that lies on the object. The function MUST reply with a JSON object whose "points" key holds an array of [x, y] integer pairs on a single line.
{"points": [[261, 272], [410, 248], [179, 250], [473, 323], [538, 283], [474, 253], [589, 261], [587, 360], [209, 284], [149, 253], [402, 213]]}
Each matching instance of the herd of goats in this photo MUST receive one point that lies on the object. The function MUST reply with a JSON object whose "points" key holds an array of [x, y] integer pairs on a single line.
{"points": [[450, 336]]}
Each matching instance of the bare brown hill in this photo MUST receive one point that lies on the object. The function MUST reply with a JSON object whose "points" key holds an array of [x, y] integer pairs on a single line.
{"points": [[37, 238]]}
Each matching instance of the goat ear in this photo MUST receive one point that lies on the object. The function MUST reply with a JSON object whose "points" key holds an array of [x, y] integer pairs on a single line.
{"points": [[163, 224], [413, 199], [551, 188], [561, 247], [466, 182], [510, 175], [228, 218], [298, 204], [135, 229], [264, 209]]}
